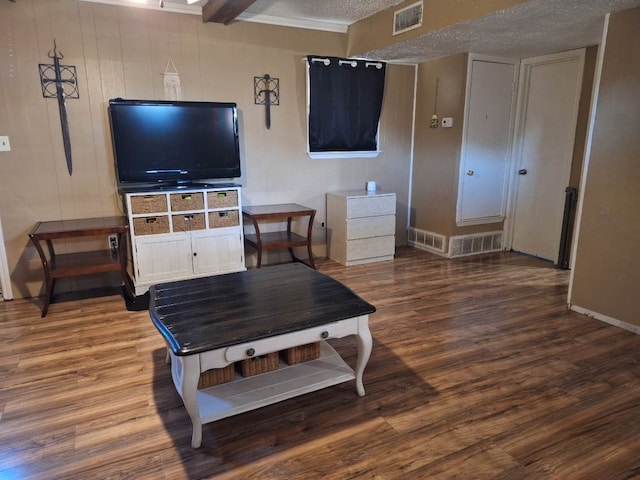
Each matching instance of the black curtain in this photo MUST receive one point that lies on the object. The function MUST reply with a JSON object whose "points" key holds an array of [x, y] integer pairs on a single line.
{"points": [[344, 103]]}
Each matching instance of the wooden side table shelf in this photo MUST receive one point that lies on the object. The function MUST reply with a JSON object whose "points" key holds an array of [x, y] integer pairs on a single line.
{"points": [[79, 263], [262, 241]]}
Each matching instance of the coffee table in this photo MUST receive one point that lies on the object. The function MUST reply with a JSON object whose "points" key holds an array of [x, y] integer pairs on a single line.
{"points": [[215, 321]]}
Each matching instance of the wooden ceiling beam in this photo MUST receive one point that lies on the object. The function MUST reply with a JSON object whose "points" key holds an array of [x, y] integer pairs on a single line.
{"points": [[224, 11]]}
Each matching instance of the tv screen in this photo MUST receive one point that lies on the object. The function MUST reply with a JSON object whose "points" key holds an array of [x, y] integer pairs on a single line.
{"points": [[173, 142]]}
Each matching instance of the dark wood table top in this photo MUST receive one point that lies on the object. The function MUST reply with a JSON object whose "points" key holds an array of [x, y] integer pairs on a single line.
{"points": [[203, 314], [79, 227], [282, 210]]}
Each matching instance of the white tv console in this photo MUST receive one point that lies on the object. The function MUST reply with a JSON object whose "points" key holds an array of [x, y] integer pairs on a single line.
{"points": [[184, 232]]}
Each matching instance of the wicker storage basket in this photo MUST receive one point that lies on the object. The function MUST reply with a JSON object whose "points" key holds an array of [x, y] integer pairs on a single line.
{"points": [[302, 353], [225, 199], [259, 364], [148, 204], [151, 225], [224, 218], [216, 376], [188, 222], [181, 202]]}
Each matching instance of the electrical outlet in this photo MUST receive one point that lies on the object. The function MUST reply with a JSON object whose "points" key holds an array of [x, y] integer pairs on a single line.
{"points": [[5, 146], [113, 243]]}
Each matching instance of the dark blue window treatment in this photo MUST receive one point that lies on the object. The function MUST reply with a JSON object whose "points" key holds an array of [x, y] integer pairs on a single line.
{"points": [[344, 104]]}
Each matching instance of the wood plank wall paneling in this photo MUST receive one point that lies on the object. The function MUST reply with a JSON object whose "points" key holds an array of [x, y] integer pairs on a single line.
{"points": [[478, 371], [122, 52]]}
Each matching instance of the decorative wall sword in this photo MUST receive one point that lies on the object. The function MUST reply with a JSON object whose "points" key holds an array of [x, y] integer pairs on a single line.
{"points": [[54, 79], [267, 93]]}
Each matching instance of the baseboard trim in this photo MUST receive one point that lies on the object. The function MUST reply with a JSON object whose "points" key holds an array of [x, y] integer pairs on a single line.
{"points": [[604, 318]]}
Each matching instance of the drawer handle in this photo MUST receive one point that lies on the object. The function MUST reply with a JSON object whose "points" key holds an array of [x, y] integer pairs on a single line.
{"points": [[150, 220], [222, 194], [251, 352], [324, 334], [223, 214], [188, 217], [186, 197]]}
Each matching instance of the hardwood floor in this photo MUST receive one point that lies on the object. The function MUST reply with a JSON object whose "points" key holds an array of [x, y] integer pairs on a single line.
{"points": [[478, 371]]}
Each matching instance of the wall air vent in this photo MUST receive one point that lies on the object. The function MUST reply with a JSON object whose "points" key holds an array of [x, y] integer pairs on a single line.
{"points": [[428, 241], [485, 242], [407, 18]]}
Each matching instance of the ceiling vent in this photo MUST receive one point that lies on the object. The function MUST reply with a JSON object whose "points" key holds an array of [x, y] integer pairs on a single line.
{"points": [[407, 18]]}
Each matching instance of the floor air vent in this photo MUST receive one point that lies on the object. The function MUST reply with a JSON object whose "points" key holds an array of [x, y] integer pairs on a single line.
{"points": [[484, 242], [429, 241], [407, 18]]}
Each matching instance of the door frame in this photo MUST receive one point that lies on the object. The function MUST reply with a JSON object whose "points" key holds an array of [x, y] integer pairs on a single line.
{"points": [[5, 279], [521, 110]]}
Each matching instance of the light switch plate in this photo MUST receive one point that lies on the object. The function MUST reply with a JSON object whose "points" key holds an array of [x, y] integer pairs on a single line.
{"points": [[5, 146]]}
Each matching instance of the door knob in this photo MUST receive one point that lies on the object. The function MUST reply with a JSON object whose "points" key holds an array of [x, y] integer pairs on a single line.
{"points": [[470, 173], [522, 171]]}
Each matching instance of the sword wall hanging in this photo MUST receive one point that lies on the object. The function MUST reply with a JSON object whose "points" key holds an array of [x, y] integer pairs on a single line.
{"points": [[266, 91], [60, 81]]}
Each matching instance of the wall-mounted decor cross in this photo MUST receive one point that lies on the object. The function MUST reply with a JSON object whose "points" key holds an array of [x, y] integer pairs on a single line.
{"points": [[266, 92], [60, 81]]}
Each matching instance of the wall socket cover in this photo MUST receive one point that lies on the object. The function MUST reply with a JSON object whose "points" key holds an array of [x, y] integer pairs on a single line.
{"points": [[447, 122], [5, 146]]}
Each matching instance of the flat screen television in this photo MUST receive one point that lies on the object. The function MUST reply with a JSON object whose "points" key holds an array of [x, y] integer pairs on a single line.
{"points": [[174, 142]]}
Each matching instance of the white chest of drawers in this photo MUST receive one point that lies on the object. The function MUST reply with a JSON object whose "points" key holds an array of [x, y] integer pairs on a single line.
{"points": [[361, 226]]}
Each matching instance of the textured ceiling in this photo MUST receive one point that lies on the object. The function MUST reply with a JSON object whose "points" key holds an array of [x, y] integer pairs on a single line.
{"points": [[533, 28], [340, 12]]}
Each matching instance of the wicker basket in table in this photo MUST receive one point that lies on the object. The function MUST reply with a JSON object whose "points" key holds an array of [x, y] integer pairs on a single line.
{"points": [[224, 199], [188, 222], [148, 204], [151, 225], [259, 364], [302, 353], [224, 218], [181, 202], [216, 376]]}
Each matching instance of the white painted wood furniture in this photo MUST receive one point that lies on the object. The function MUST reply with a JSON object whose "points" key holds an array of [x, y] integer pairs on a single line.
{"points": [[361, 226], [184, 233], [215, 321]]}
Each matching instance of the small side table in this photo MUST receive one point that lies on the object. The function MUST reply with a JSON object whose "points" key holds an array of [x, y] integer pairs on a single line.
{"points": [[279, 240], [80, 263]]}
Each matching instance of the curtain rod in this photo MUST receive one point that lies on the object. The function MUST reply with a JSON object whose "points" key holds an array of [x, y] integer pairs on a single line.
{"points": [[326, 62]]}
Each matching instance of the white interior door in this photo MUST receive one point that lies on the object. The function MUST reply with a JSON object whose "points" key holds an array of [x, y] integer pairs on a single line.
{"points": [[486, 146], [545, 133], [5, 281]]}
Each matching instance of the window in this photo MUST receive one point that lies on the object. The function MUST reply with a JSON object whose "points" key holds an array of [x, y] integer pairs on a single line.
{"points": [[344, 105]]}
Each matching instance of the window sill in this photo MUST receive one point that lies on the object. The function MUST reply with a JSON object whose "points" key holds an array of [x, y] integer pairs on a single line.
{"points": [[327, 155]]}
